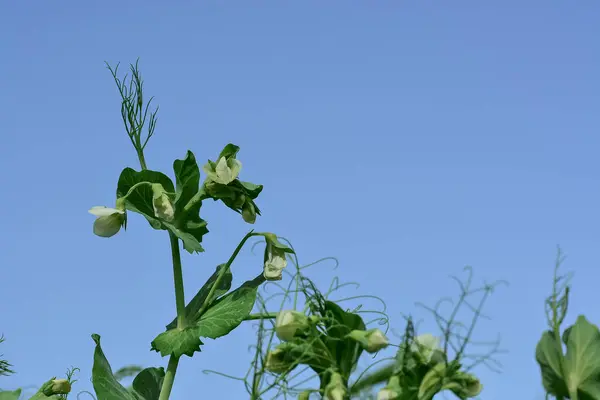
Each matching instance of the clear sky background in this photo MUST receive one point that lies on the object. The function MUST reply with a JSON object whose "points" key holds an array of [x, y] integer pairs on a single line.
{"points": [[408, 139]]}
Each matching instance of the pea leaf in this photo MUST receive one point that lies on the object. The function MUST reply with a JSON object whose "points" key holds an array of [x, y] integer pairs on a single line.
{"points": [[106, 386], [188, 225], [345, 350], [146, 385], [224, 315], [140, 200], [230, 150], [177, 342], [547, 355], [582, 361], [10, 395], [228, 312], [194, 306]]}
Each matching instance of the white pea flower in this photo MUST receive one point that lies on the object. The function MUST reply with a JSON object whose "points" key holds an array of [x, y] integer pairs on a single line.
{"points": [[425, 345], [163, 207], [275, 262], [289, 322], [224, 172], [109, 221]]}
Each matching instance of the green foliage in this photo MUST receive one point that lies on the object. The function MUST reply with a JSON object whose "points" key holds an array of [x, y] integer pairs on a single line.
{"points": [[10, 395], [4, 365], [146, 385]]}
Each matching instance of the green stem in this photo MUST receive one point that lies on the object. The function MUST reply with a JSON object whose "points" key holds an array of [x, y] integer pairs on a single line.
{"points": [[178, 280], [140, 154], [254, 317], [165, 391], [167, 385], [209, 299]]}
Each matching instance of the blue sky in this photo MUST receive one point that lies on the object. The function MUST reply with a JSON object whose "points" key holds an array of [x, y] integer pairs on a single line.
{"points": [[408, 139]]}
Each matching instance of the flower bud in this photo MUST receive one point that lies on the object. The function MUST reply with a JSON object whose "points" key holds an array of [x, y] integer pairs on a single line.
{"points": [[279, 360], [304, 395], [275, 262], [288, 323], [224, 171], [249, 212], [372, 340], [56, 386], [109, 220], [392, 391], [335, 389], [163, 207], [424, 347]]}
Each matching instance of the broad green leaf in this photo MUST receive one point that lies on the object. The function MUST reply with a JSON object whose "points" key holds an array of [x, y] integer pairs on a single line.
{"points": [[187, 178], [147, 384], [345, 350], [224, 315], [229, 311], [188, 225], [547, 354], [140, 200], [106, 386], [194, 306], [582, 361], [177, 342], [10, 395]]}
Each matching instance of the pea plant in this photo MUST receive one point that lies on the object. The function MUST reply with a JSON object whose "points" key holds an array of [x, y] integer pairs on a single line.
{"points": [[317, 343], [569, 361]]}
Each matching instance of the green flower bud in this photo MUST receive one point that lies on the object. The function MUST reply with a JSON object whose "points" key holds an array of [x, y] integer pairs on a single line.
{"points": [[249, 212], [335, 389], [56, 386], [224, 171], [109, 221], [288, 323], [163, 207], [280, 360], [372, 340], [304, 395]]}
